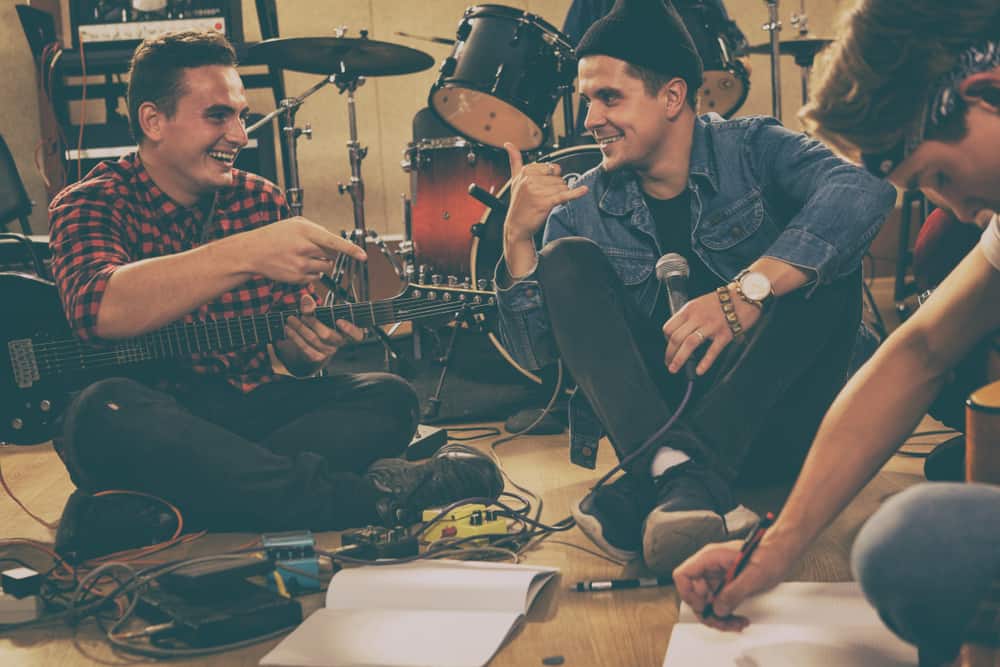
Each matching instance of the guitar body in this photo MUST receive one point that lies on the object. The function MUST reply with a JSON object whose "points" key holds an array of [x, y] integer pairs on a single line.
{"points": [[28, 413]]}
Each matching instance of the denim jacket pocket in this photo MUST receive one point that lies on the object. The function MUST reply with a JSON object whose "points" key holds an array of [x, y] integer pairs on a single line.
{"points": [[632, 265], [723, 229]]}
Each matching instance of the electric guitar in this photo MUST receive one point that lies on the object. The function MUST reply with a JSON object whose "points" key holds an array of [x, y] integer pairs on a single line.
{"points": [[42, 361]]}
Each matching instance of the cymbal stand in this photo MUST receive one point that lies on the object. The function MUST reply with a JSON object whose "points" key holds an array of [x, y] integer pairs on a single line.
{"points": [[287, 109], [804, 61], [348, 83], [773, 26]]}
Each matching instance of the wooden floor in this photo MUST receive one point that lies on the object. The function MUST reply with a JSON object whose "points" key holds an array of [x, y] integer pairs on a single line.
{"points": [[628, 628]]}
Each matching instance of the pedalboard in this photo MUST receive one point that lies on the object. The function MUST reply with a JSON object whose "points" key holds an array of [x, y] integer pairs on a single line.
{"points": [[376, 542], [472, 520], [294, 557], [244, 612]]}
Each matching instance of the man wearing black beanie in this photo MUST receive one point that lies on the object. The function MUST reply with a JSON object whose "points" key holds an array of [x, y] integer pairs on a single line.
{"points": [[773, 227]]}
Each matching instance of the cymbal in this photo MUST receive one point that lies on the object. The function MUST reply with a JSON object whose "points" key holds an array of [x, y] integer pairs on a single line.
{"points": [[324, 55], [809, 46]]}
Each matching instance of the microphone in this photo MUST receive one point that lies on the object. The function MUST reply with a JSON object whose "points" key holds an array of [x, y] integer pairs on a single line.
{"points": [[672, 270]]}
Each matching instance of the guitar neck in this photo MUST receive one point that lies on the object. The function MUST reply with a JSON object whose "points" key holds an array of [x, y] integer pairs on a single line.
{"points": [[185, 339], [182, 339]]}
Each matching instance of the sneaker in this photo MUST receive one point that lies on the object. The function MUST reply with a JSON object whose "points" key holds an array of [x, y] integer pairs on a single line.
{"points": [[454, 472], [695, 507], [611, 516]]}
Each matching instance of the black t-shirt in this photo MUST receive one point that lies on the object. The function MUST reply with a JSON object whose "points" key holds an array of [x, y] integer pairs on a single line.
{"points": [[673, 229]]}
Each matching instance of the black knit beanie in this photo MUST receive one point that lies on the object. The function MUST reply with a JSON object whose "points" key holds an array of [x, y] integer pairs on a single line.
{"points": [[649, 33]]}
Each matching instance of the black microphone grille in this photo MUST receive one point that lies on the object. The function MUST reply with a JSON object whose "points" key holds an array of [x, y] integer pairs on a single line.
{"points": [[671, 265]]}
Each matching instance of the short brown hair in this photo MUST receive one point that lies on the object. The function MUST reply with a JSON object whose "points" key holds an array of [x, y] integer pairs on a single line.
{"points": [[869, 87], [653, 81], [156, 73]]}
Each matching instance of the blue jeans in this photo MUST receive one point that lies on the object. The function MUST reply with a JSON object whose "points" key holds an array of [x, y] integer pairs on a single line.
{"points": [[925, 560]]}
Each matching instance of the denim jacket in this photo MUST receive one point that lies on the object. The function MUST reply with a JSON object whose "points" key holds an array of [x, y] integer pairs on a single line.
{"points": [[757, 189]]}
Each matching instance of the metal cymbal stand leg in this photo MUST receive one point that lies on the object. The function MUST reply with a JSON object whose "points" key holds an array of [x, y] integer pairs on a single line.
{"points": [[773, 26]]}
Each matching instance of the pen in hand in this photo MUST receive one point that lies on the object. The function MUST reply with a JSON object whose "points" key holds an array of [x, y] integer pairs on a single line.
{"points": [[746, 551]]}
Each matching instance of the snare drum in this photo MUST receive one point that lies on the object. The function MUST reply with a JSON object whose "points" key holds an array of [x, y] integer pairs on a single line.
{"points": [[443, 212], [504, 77], [487, 247]]}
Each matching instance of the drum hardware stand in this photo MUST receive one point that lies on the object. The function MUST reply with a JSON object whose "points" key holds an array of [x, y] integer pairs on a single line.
{"points": [[773, 26], [287, 109], [803, 60], [433, 406]]}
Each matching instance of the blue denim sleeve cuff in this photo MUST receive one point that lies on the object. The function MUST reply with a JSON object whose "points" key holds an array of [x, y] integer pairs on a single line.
{"points": [[806, 251], [516, 296]]}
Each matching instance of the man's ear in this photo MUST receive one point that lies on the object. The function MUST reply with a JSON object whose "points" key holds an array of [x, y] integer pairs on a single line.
{"points": [[982, 89], [151, 121], [674, 96]]}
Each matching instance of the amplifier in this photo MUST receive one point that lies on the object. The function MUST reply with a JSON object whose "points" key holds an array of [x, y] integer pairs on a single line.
{"points": [[120, 23]]}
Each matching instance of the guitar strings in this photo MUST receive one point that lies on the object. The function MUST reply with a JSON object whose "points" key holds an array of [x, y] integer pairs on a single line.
{"points": [[54, 355]]}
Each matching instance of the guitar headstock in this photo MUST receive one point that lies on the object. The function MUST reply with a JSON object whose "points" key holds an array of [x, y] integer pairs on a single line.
{"points": [[462, 296]]}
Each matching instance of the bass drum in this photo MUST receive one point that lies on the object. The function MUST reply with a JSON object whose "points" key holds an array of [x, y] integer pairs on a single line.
{"points": [[487, 246]]}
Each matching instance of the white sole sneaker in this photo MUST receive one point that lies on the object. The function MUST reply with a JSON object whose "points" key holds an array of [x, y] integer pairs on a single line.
{"points": [[591, 527]]}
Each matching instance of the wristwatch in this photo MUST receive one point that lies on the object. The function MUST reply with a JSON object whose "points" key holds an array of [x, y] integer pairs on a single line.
{"points": [[754, 288]]}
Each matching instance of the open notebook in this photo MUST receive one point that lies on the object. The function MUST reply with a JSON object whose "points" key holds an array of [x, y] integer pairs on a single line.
{"points": [[437, 613], [794, 625]]}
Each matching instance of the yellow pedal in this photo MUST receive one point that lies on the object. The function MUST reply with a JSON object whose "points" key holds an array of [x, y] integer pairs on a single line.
{"points": [[464, 521]]}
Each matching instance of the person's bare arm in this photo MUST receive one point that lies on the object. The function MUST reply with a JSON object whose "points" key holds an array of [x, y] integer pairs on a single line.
{"points": [[874, 413]]}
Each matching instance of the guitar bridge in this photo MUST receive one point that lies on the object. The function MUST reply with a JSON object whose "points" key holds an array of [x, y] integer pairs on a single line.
{"points": [[23, 362]]}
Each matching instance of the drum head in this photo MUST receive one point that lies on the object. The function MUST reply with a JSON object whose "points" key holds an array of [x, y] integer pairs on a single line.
{"points": [[723, 91], [485, 118]]}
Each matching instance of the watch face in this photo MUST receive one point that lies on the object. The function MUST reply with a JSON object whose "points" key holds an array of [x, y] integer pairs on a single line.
{"points": [[755, 286]]}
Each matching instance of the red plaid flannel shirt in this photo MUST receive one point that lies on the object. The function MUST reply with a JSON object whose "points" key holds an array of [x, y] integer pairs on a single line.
{"points": [[117, 215]]}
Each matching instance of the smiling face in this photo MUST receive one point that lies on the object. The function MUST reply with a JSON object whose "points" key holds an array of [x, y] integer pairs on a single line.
{"points": [[190, 153], [961, 175], [631, 126]]}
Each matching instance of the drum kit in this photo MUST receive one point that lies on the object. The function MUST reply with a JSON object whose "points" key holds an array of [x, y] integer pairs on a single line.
{"points": [[506, 74]]}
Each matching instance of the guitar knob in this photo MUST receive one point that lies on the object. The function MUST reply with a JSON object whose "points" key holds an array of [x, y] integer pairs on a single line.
{"points": [[436, 279], [45, 405], [452, 281], [17, 423], [481, 284]]}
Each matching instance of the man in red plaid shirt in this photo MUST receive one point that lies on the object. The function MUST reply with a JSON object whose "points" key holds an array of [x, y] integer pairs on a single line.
{"points": [[175, 233]]}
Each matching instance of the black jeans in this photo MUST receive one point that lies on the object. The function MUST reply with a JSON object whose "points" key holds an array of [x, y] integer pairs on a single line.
{"points": [[287, 455], [754, 415]]}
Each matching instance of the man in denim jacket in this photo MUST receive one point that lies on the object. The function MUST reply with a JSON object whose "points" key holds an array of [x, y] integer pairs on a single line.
{"points": [[773, 226]]}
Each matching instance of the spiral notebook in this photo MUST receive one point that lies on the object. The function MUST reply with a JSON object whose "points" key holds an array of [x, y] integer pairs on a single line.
{"points": [[436, 613]]}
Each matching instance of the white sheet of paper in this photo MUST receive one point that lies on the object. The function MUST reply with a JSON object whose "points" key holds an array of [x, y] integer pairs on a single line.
{"points": [[400, 638], [420, 614], [794, 625], [438, 584]]}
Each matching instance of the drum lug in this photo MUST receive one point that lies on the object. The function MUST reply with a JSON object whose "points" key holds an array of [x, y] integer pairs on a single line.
{"points": [[464, 29]]}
